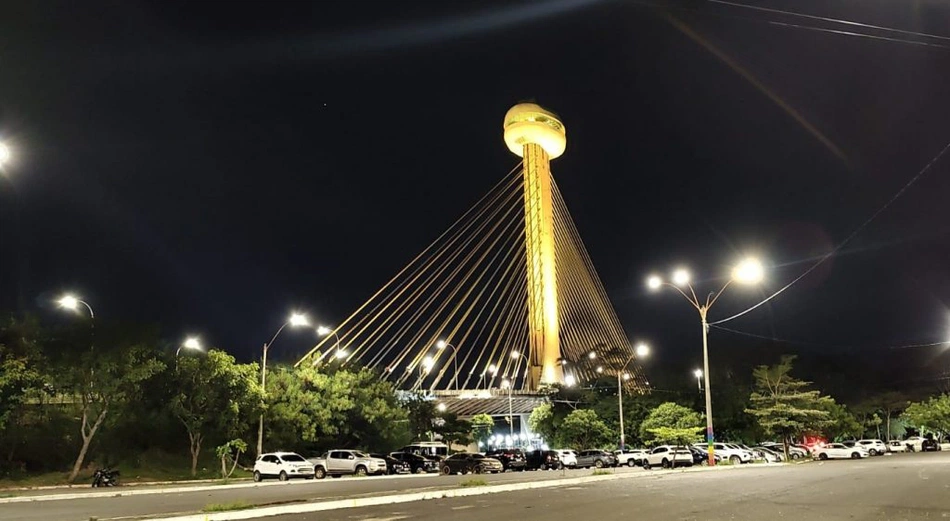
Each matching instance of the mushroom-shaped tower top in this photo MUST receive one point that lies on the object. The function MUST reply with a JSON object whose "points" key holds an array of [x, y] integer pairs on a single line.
{"points": [[529, 123]]}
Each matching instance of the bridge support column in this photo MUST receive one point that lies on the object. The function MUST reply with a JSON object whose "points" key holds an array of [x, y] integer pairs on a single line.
{"points": [[538, 136]]}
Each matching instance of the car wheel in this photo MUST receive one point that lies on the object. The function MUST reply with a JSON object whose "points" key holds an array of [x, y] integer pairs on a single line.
{"points": [[477, 469], [665, 463], [822, 456], [257, 476], [796, 455], [446, 470], [855, 455], [420, 470], [361, 471], [646, 465], [631, 463], [735, 460], [282, 476], [704, 462], [873, 452], [599, 464], [320, 473]]}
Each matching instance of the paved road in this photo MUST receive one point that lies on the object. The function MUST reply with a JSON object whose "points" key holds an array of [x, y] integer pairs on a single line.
{"points": [[900, 487], [268, 493]]}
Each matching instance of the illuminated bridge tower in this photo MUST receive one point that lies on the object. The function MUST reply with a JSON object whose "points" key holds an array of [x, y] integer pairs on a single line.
{"points": [[538, 136]]}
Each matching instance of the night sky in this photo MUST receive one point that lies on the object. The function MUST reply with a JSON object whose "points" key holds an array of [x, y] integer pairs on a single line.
{"points": [[212, 166]]}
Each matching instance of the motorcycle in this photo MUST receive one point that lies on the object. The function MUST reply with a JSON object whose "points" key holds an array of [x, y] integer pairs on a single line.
{"points": [[105, 478]]}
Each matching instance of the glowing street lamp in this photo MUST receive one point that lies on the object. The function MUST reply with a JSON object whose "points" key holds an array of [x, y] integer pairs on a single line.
{"points": [[699, 377], [441, 407], [749, 271], [295, 320], [4, 154], [189, 343], [442, 344], [340, 352], [72, 303]]}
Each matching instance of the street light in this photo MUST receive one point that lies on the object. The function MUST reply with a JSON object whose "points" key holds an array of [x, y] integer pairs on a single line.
{"points": [[699, 377], [442, 344], [324, 331], [189, 343], [71, 302], [441, 407], [295, 320], [642, 350], [749, 271], [4, 154], [508, 384]]}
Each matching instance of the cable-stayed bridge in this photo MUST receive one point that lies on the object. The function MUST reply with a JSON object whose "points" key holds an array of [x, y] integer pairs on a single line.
{"points": [[506, 297]]}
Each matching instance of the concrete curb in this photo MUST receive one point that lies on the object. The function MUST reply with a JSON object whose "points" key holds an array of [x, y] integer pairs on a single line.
{"points": [[391, 499], [131, 484], [122, 491]]}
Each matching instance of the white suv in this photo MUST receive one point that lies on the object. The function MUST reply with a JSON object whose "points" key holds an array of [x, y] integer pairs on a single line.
{"points": [[668, 456], [630, 457], [874, 447], [728, 451], [568, 457], [283, 466]]}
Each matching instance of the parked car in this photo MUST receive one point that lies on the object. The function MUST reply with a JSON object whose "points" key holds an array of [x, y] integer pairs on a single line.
{"points": [[701, 457], [393, 465], [283, 466], [668, 456], [767, 454], [914, 443], [794, 452], [511, 459], [929, 445], [630, 457], [734, 455], [469, 462], [430, 449], [568, 457], [896, 446], [542, 460], [336, 463], [418, 464], [944, 444], [874, 447], [595, 458], [840, 450]]}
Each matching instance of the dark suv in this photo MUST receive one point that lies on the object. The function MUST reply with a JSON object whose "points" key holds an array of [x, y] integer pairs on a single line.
{"points": [[511, 459], [595, 458], [418, 464], [542, 460]]}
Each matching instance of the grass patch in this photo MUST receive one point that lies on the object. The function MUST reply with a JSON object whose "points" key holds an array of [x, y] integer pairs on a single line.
{"points": [[601, 472], [227, 507], [473, 482]]}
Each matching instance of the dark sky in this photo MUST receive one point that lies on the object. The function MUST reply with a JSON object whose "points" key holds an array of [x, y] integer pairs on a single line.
{"points": [[211, 166]]}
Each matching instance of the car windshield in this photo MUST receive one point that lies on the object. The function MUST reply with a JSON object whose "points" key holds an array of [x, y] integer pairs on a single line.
{"points": [[292, 457]]}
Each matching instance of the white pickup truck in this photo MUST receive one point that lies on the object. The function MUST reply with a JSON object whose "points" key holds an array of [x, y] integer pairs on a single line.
{"points": [[336, 463]]}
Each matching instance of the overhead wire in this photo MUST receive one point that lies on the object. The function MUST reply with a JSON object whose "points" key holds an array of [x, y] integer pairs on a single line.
{"points": [[848, 239], [830, 346]]}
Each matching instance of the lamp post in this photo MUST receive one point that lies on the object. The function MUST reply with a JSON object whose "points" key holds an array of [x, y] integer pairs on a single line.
{"points": [[189, 343], [641, 351], [442, 344], [699, 378], [324, 331], [295, 320], [749, 271], [508, 384], [72, 303]]}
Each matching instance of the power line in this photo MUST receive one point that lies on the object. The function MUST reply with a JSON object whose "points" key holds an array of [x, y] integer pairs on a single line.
{"points": [[830, 20], [860, 35], [856, 231], [827, 346]]}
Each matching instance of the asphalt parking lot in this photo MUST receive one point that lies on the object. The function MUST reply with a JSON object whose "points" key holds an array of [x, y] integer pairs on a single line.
{"points": [[902, 486]]}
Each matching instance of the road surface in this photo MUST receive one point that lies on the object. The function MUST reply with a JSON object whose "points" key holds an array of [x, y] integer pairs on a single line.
{"points": [[905, 486]]}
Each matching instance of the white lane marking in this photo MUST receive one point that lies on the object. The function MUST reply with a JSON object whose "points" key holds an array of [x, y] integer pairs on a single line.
{"points": [[463, 507], [305, 508]]}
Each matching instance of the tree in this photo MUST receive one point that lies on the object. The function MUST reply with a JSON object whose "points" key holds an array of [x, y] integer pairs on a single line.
{"points": [[214, 393], [582, 429], [932, 414], [783, 405], [482, 426], [671, 423], [229, 451], [333, 408], [890, 404], [453, 430], [421, 413], [20, 359], [541, 422], [104, 380], [842, 424]]}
